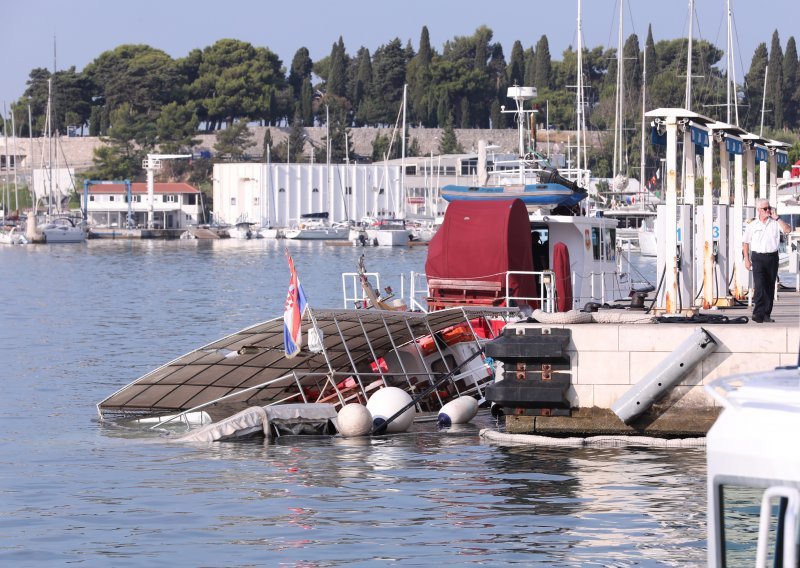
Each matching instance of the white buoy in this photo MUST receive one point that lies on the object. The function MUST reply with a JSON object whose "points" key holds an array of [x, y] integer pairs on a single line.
{"points": [[354, 420], [458, 411], [385, 403]]}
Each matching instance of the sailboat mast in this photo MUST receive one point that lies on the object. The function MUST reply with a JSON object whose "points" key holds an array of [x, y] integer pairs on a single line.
{"points": [[731, 71], [644, 109], [619, 128], [403, 158], [579, 97], [49, 129], [688, 100], [30, 153], [14, 134]]}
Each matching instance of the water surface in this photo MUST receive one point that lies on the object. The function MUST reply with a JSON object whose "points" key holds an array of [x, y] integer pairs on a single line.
{"points": [[81, 321]]}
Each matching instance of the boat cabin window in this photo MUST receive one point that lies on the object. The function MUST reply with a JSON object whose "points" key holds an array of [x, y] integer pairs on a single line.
{"points": [[604, 243], [739, 513], [540, 241], [411, 170]]}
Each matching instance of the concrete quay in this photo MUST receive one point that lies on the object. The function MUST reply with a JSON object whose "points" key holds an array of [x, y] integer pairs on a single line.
{"points": [[607, 360]]}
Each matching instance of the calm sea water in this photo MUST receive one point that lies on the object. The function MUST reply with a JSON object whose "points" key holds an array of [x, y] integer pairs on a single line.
{"points": [[79, 322]]}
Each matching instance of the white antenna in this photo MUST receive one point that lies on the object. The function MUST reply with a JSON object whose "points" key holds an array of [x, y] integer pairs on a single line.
{"points": [[152, 163]]}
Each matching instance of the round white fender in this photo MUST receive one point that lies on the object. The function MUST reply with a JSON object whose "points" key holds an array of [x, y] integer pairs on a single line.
{"points": [[385, 403], [458, 411], [354, 420]]}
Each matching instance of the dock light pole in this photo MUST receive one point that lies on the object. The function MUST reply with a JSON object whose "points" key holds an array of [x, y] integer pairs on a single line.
{"points": [[152, 163]]}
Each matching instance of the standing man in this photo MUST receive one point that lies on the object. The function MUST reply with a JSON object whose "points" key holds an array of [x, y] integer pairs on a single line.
{"points": [[760, 246]]}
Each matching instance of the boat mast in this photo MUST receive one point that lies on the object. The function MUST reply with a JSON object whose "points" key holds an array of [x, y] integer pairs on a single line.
{"points": [[579, 99], [688, 96], [49, 130], [763, 100], [327, 159], [14, 135], [618, 130], [642, 188], [731, 72], [30, 144], [403, 158]]}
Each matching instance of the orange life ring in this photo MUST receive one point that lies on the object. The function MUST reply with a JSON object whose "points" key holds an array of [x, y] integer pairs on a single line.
{"points": [[587, 239]]}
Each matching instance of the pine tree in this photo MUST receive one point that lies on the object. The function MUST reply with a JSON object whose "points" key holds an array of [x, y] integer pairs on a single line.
{"points": [[448, 144]]}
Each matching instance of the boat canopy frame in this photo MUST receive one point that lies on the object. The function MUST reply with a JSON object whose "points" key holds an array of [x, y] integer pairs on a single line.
{"points": [[249, 367]]}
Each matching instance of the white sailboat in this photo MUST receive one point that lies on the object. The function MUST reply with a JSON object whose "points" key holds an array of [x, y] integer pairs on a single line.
{"points": [[57, 227]]}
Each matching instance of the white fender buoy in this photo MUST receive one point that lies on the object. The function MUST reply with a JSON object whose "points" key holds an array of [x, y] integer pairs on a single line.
{"points": [[385, 403], [354, 420], [458, 411]]}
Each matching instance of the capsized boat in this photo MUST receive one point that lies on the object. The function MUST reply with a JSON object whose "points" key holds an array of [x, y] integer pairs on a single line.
{"points": [[349, 354]]}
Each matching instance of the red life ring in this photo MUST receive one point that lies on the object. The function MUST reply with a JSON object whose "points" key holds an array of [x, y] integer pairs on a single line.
{"points": [[587, 239]]}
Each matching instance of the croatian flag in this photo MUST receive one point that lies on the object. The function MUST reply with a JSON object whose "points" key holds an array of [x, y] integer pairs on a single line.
{"points": [[293, 312]]}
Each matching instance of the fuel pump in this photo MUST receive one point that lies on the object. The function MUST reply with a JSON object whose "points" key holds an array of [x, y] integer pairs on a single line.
{"points": [[684, 253]]}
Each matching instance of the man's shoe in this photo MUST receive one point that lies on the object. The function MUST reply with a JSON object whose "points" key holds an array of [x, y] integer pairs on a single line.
{"points": [[770, 320], [758, 319]]}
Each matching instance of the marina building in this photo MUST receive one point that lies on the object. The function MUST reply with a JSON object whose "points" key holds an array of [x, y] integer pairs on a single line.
{"points": [[175, 205], [278, 194]]}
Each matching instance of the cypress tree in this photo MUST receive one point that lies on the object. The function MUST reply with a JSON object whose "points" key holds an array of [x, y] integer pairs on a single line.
{"points": [[516, 66], [775, 81], [790, 84], [543, 64], [337, 73]]}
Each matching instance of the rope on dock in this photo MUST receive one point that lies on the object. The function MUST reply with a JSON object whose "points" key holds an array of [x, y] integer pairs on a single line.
{"points": [[591, 441]]}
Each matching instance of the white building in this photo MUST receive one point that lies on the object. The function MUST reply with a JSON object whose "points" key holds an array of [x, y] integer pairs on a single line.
{"points": [[175, 205], [278, 194]]}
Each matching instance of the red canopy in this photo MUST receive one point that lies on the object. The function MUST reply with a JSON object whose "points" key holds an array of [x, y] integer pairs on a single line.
{"points": [[482, 240]]}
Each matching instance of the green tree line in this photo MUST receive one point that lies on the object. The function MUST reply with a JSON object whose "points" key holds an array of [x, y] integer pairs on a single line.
{"points": [[140, 98]]}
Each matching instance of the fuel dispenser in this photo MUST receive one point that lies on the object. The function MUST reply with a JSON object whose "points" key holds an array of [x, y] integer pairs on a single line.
{"points": [[719, 253], [684, 254]]}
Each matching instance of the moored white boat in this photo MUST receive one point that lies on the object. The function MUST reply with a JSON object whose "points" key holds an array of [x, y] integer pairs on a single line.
{"points": [[12, 235], [316, 227], [63, 230], [387, 233], [528, 176], [241, 230]]}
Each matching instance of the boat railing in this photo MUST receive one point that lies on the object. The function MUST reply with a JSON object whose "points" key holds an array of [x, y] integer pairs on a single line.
{"points": [[418, 292], [354, 295], [546, 297], [599, 289]]}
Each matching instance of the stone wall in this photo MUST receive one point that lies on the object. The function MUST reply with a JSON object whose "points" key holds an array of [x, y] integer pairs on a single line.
{"points": [[77, 152]]}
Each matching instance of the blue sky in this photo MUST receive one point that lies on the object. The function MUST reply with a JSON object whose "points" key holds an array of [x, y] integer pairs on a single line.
{"points": [[85, 28]]}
